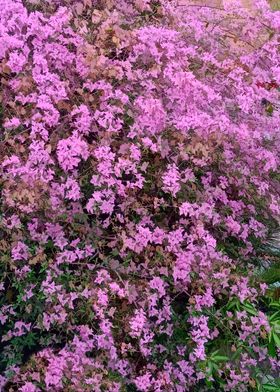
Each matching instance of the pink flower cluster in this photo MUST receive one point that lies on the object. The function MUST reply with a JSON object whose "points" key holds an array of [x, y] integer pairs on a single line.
{"points": [[139, 166]]}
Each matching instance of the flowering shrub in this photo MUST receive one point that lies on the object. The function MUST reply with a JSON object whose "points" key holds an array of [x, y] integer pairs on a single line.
{"points": [[139, 172]]}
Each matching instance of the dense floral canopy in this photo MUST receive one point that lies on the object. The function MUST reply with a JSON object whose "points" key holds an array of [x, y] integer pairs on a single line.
{"points": [[140, 171]]}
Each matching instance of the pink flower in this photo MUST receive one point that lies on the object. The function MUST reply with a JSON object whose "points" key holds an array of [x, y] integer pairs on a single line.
{"points": [[20, 251], [12, 123], [171, 180], [137, 323], [159, 285], [144, 383], [21, 328], [151, 117], [71, 151], [28, 387]]}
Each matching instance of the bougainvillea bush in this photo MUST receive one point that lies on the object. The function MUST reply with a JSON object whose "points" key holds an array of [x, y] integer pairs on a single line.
{"points": [[139, 173]]}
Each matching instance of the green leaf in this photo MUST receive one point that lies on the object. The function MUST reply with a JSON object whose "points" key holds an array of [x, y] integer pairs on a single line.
{"points": [[234, 303], [274, 304], [236, 354], [115, 252], [210, 368], [271, 388], [214, 353], [220, 358], [271, 275], [271, 349], [276, 339], [275, 316], [249, 308], [209, 383]]}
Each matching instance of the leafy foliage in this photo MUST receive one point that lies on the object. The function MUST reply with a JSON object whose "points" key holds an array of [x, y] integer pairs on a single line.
{"points": [[140, 178]]}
